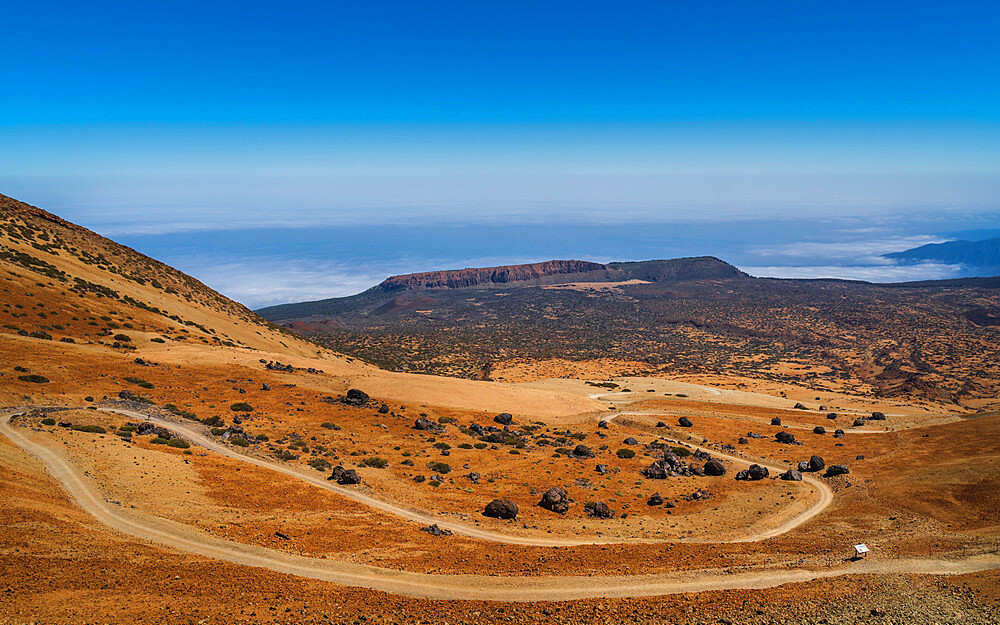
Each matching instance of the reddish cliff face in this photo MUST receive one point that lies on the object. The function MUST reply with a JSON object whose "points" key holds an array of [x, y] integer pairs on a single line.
{"points": [[460, 278]]}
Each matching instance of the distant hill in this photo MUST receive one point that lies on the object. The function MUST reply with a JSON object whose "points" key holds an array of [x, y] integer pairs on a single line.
{"points": [[982, 255], [533, 274]]}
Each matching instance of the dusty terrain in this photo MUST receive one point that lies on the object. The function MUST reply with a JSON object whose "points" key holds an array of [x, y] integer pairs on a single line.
{"points": [[226, 514]]}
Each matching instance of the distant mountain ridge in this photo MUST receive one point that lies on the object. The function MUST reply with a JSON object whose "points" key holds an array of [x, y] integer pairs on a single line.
{"points": [[984, 255], [531, 274]]}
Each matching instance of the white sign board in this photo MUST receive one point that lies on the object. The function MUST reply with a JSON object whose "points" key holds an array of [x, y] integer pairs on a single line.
{"points": [[862, 548]]}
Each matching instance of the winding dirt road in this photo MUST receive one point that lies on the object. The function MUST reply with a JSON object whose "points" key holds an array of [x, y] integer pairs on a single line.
{"points": [[470, 587]]}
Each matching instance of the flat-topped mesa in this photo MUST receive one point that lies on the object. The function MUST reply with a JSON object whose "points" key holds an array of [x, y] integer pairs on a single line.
{"points": [[461, 278]]}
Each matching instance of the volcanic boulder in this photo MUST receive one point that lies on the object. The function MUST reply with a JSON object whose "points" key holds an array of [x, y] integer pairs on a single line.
{"points": [[684, 422], [582, 451], [836, 469], [597, 510], [791, 475], [714, 467], [655, 500], [504, 418], [816, 463], [776, 421], [344, 476], [501, 509], [356, 397], [786, 438], [555, 499]]}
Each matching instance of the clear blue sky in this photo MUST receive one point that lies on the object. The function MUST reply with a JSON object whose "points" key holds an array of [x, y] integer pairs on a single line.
{"points": [[138, 117]]}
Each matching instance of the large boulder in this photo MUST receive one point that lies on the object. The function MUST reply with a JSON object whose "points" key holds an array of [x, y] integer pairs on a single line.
{"points": [[555, 499], [501, 509], [344, 476], [582, 451], [838, 433], [684, 422], [356, 397], [754, 473], [785, 437], [495, 438], [803, 466], [877, 416], [776, 421], [791, 475], [831, 416], [860, 421], [714, 467], [655, 500], [630, 441], [816, 463], [504, 418], [597, 509], [836, 469], [819, 430], [602, 469]]}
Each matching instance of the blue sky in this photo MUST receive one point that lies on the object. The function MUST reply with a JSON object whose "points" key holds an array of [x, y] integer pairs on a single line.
{"points": [[155, 120]]}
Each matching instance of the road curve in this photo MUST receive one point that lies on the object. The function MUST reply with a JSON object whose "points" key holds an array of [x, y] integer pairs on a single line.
{"points": [[454, 587]]}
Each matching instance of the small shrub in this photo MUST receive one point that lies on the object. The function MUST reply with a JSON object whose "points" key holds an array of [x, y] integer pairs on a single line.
{"points": [[241, 406], [439, 467], [34, 378], [218, 431], [376, 463], [625, 453], [180, 412], [178, 443], [434, 483], [124, 338], [21, 369], [465, 446], [41, 335], [682, 452], [330, 426], [447, 420], [262, 437], [214, 421], [139, 382], [157, 340], [239, 441], [442, 446], [407, 463], [158, 441], [48, 421], [88, 398], [320, 464], [481, 445]]}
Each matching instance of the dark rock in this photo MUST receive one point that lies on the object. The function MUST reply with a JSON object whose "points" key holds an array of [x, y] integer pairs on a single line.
{"points": [[494, 437], [602, 424], [265, 386], [800, 406], [715, 468], [282, 535], [860, 421], [669, 504], [819, 430], [237, 419], [816, 463], [345, 476], [754, 473], [428, 426], [126, 394], [356, 397], [831, 416], [838, 433], [655, 500], [504, 418], [434, 530], [775, 421], [555, 499], [792, 475], [859, 457], [383, 409], [602, 469], [743, 441], [597, 510], [684, 422], [630, 441], [803, 466], [836, 469], [786, 438], [661, 424], [582, 451], [477, 430], [474, 477], [877, 416], [501, 509]]}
